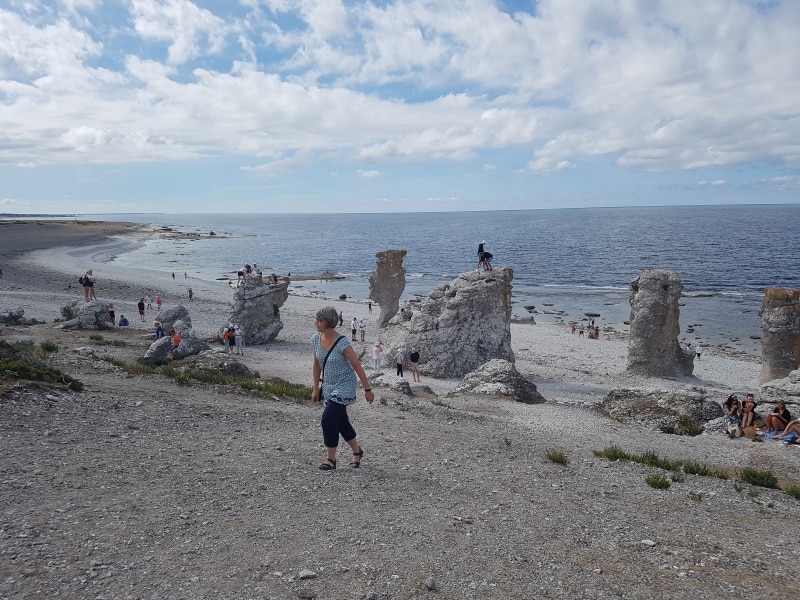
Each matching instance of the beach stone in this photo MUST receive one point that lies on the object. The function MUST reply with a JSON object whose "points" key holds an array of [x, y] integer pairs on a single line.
{"points": [[256, 309], [460, 326], [393, 382], [786, 389], [653, 347], [159, 352], [14, 316], [86, 315], [499, 378], [387, 283], [170, 316], [658, 408], [780, 326]]}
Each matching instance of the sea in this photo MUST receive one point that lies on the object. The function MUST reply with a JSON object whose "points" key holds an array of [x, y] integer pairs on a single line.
{"points": [[568, 263]]}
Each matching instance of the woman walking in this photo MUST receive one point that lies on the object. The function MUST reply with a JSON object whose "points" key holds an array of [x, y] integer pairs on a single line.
{"points": [[334, 369]]}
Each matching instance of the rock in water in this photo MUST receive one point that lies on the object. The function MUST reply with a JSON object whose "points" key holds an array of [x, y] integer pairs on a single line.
{"points": [[460, 326], [387, 283], [780, 324], [653, 347]]}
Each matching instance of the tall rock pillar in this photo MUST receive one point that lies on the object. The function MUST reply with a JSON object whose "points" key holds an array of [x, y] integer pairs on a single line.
{"points": [[387, 283], [653, 347], [780, 327]]}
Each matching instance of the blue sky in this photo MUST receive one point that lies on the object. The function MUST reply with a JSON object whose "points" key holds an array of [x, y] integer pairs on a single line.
{"points": [[176, 106]]}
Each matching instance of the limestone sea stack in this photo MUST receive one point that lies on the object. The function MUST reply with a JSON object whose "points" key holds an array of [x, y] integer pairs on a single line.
{"points": [[460, 326], [653, 347], [387, 283], [780, 339], [256, 309]]}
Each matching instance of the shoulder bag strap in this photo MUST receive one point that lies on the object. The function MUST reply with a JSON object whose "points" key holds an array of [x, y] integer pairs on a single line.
{"points": [[322, 373]]}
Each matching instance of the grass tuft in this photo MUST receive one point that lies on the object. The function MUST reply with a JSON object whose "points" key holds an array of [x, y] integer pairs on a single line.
{"points": [[658, 482], [557, 457], [760, 478]]}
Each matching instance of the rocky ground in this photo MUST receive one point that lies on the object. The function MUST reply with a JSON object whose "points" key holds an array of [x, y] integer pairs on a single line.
{"points": [[139, 487]]}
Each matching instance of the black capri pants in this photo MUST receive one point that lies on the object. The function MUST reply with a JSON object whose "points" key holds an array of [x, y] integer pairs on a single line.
{"points": [[334, 422]]}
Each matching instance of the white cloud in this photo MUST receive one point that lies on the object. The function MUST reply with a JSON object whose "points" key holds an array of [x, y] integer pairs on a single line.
{"points": [[658, 86], [182, 24], [369, 174]]}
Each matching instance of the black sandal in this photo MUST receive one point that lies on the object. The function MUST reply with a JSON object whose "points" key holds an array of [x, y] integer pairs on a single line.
{"points": [[357, 458], [328, 465]]}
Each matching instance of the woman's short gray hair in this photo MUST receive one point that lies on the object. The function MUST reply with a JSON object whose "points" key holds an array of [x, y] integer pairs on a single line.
{"points": [[329, 315]]}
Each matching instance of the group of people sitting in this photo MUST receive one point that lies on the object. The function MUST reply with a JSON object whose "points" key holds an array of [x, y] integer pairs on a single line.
{"points": [[744, 419]]}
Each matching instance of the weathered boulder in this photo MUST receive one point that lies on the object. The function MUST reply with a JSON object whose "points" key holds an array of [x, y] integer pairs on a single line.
{"points": [[780, 339], [256, 309], [786, 389], [15, 316], [190, 344], [393, 382], [387, 283], [213, 361], [86, 315], [658, 410], [460, 326], [499, 378], [653, 347], [170, 316], [159, 352]]}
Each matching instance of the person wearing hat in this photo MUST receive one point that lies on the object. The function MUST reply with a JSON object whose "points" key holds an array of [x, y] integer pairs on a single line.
{"points": [[377, 355]]}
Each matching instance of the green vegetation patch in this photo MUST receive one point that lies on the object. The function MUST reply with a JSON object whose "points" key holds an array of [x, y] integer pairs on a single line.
{"points": [[20, 359]]}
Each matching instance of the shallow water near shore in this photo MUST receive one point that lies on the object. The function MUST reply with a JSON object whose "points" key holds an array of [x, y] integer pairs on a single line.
{"points": [[566, 262]]}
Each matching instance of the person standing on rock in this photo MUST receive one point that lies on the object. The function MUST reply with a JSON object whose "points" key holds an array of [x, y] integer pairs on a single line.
{"points": [[238, 335], [158, 301], [334, 370], [400, 358], [377, 355], [88, 286], [226, 340], [413, 358], [698, 350], [353, 328], [140, 306], [191, 294], [111, 312], [341, 319]]}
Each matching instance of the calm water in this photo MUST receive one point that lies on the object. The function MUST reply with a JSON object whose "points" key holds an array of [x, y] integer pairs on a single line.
{"points": [[568, 261]]}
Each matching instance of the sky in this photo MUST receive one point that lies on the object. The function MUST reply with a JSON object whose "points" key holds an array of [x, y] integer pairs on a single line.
{"points": [[244, 106]]}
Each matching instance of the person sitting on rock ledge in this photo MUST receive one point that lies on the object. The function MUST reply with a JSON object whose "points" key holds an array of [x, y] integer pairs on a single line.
{"points": [[733, 416], [791, 431], [779, 418], [749, 415]]}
